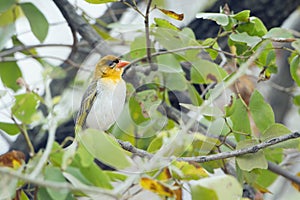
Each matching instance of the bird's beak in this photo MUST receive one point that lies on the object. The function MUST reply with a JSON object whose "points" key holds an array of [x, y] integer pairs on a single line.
{"points": [[122, 63]]}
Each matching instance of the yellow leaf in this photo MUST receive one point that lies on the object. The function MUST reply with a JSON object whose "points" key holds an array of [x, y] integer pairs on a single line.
{"points": [[172, 14], [190, 171], [295, 185], [156, 187], [12, 159], [164, 175], [261, 189]]}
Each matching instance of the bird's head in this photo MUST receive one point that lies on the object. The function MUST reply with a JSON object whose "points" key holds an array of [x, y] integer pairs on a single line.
{"points": [[110, 67]]}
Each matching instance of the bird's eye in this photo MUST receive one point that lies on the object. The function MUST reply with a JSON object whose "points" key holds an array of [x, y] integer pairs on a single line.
{"points": [[112, 63]]}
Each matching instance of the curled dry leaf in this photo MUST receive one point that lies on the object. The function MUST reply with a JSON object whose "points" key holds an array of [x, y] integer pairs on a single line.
{"points": [[172, 14], [12, 159], [156, 187]]}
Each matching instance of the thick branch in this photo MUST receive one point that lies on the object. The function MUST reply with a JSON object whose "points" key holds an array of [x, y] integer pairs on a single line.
{"points": [[286, 174], [239, 152], [77, 23]]}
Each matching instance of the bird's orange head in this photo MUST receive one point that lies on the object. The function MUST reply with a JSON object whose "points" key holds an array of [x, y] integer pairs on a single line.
{"points": [[110, 67]]}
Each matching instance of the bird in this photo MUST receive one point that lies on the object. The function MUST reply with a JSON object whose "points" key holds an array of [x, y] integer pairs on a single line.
{"points": [[104, 99]]}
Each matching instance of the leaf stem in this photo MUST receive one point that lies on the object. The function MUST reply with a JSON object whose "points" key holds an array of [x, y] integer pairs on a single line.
{"points": [[24, 132]]}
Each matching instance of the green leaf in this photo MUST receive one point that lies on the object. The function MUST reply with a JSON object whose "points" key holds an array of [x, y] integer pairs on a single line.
{"points": [[78, 175], [5, 5], [86, 159], [194, 95], [218, 127], [296, 100], [54, 174], [9, 73], [261, 111], [274, 154], [251, 161], [242, 16], [175, 81], [23, 196], [278, 33], [25, 107], [224, 186], [90, 171], [240, 119], [204, 71], [251, 41], [295, 69], [296, 45], [115, 176], [138, 47], [219, 18], [155, 145], [165, 24], [203, 192], [43, 194], [100, 1], [168, 63], [96, 176], [266, 178], [38, 23], [108, 151], [11, 129], [254, 27], [6, 32], [136, 111], [267, 57]]}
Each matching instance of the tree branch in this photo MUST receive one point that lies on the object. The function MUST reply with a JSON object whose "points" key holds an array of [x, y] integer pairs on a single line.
{"points": [[148, 41], [54, 184], [77, 23], [253, 149], [286, 174], [28, 47], [239, 152]]}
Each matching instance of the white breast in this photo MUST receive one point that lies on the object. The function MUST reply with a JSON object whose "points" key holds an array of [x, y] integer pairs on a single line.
{"points": [[108, 105]]}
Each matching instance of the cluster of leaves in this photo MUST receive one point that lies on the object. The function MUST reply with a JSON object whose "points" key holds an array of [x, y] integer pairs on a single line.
{"points": [[143, 124]]}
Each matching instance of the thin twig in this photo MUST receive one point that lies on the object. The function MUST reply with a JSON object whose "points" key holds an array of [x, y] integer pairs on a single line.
{"points": [[52, 124], [185, 49], [24, 132], [70, 62], [28, 47], [54, 184], [239, 152], [134, 7], [147, 34]]}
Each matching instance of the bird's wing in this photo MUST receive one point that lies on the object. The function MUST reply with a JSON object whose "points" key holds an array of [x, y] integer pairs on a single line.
{"points": [[87, 102]]}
